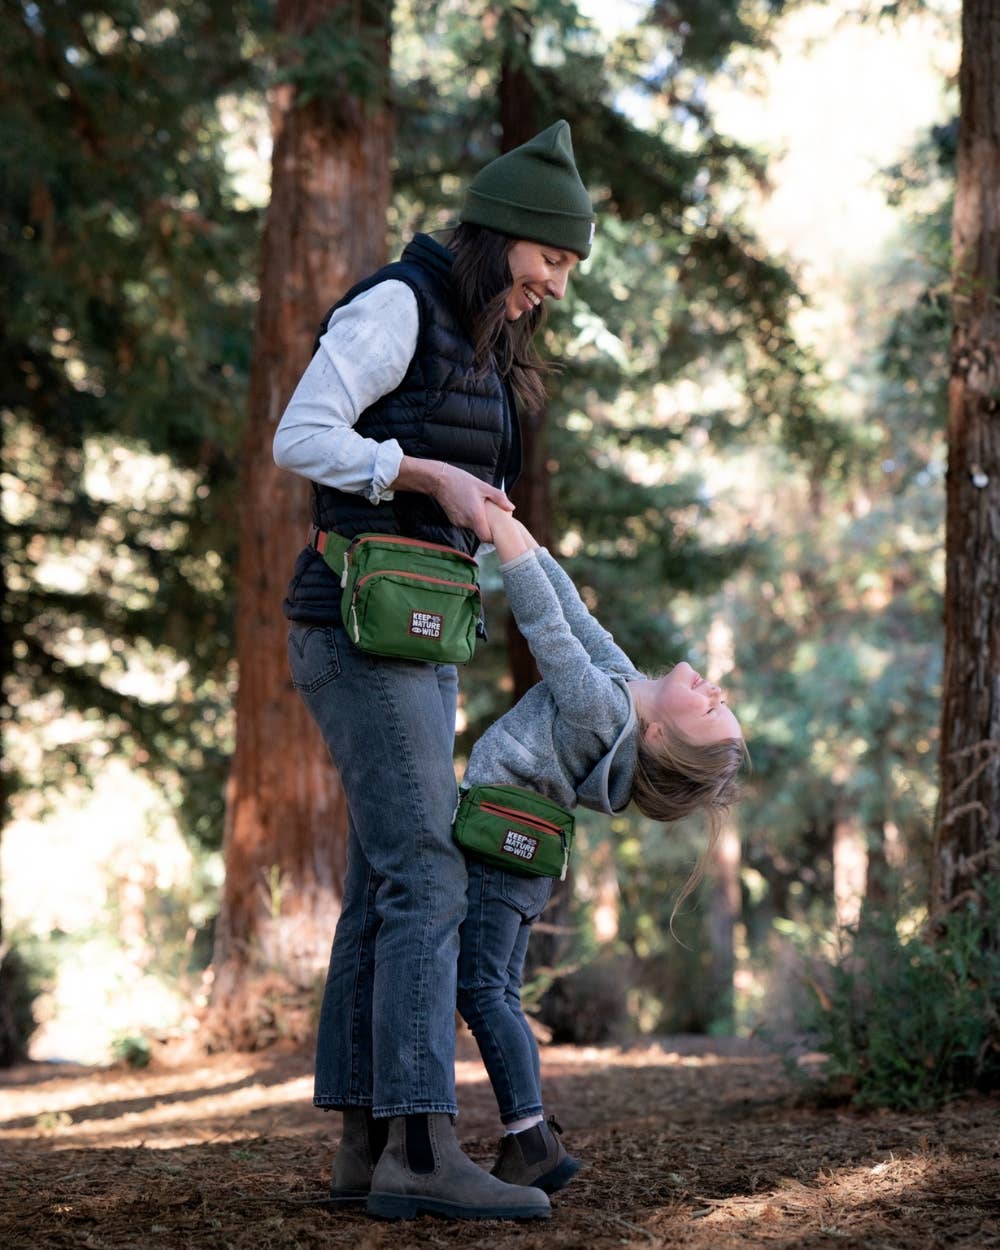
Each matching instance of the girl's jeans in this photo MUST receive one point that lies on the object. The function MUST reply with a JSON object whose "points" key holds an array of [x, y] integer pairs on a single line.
{"points": [[387, 1024], [502, 908]]}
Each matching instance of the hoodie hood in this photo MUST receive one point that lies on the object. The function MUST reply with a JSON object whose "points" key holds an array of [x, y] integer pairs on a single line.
{"points": [[608, 787]]}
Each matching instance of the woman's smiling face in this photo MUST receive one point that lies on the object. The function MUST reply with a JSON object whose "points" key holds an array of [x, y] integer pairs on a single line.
{"points": [[537, 272]]}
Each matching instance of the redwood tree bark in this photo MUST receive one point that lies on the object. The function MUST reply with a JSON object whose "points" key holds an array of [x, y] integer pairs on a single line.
{"points": [[967, 839], [518, 124], [286, 820], [725, 906]]}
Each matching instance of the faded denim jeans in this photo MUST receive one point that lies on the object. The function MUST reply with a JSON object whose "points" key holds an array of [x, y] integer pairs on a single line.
{"points": [[494, 940], [387, 1024]]}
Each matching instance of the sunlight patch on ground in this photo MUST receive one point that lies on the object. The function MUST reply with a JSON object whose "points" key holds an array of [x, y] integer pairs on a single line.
{"points": [[838, 1202], [153, 1111], [232, 1098], [568, 1058], [55, 1089]]}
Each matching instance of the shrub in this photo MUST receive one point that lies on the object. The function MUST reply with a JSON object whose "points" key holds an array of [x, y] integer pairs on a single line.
{"points": [[23, 971], [132, 1050], [911, 1022]]}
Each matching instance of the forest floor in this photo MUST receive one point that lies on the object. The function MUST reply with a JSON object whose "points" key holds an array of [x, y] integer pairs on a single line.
{"points": [[687, 1142]]}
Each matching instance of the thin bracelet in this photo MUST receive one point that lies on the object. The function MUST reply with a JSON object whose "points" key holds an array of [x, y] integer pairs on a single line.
{"points": [[438, 479]]}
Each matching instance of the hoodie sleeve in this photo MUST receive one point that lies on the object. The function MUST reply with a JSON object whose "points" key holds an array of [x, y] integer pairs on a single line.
{"points": [[595, 639], [583, 692]]}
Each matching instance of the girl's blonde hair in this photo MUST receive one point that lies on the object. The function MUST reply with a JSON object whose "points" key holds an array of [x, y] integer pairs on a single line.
{"points": [[675, 777]]}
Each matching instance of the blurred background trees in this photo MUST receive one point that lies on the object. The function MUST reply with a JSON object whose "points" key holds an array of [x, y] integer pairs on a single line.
{"points": [[742, 461], [127, 260]]}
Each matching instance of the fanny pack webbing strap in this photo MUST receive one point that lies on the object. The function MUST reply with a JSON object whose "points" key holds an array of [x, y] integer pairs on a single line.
{"points": [[328, 540]]}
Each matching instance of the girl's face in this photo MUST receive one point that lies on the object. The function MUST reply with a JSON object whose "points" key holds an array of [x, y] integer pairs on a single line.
{"points": [[696, 708], [537, 271]]}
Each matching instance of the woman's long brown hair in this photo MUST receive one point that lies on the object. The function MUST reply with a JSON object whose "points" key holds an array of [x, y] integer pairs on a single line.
{"points": [[482, 281]]}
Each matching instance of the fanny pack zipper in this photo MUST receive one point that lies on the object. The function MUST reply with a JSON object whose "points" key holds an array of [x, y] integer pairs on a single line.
{"points": [[415, 577], [511, 813], [413, 542], [405, 542]]}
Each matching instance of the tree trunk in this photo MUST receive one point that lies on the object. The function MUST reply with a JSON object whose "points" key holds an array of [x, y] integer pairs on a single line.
{"points": [[286, 815], [850, 864], [723, 869], [531, 500], [725, 905], [967, 839], [518, 122]]}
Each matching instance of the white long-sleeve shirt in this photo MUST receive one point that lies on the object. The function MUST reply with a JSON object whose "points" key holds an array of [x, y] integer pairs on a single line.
{"points": [[363, 355]]}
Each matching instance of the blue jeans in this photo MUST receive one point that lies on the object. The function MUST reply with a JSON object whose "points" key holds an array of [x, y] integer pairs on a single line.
{"points": [[387, 1024], [502, 908]]}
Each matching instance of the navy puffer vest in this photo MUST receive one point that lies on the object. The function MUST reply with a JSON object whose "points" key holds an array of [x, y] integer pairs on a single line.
{"points": [[440, 411]]}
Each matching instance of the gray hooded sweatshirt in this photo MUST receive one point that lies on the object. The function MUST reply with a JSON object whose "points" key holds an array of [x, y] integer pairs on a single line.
{"points": [[574, 736]]}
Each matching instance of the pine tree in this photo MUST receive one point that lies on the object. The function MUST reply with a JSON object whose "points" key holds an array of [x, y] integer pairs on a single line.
{"points": [[123, 357], [967, 840], [286, 825]]}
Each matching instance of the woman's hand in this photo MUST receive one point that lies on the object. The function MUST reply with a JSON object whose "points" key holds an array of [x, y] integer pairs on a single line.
{"points": [[462, 496], [466, 500]]}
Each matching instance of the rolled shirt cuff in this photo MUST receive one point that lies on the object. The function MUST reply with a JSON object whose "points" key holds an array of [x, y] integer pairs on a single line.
{"points": [[385, 469]]}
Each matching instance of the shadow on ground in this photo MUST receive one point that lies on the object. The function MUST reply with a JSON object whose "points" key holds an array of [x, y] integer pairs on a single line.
{"points": [[684, 1145]]}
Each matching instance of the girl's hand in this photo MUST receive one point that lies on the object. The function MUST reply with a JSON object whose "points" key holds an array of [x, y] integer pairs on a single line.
{"points": [[505, 533], [529, 539]]}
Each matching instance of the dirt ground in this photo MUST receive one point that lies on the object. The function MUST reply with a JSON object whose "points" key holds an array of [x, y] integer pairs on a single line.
{"points": [[688, 1143]]}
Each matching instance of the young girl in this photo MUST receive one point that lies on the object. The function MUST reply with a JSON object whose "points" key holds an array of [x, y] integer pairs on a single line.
{"points": [[592, 731]]}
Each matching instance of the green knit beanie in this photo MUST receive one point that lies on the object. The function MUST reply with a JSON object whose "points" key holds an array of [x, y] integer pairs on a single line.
{"points": [[534, 192]]}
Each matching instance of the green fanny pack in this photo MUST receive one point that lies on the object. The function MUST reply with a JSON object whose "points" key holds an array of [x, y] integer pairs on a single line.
{"points": [[515, 829], [404, 598]]}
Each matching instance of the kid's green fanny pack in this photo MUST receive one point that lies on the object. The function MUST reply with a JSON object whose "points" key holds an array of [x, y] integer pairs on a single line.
{"points": [[515, 829], [405, 598]]}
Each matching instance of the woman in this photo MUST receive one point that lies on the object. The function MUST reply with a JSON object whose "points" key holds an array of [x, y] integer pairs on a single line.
{"points": [[406, 422]]}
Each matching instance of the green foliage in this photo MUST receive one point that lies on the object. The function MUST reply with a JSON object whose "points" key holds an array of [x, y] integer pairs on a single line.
{"points": [[705, 32], [676, 292], [681, 363], [127, 261], [24, 969], [133, 1051], [839, 614], [703, 467], [911, 1021], [340, 62]]}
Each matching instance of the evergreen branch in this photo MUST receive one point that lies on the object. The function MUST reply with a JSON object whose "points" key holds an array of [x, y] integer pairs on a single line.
{"points": [[54, 59]]}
